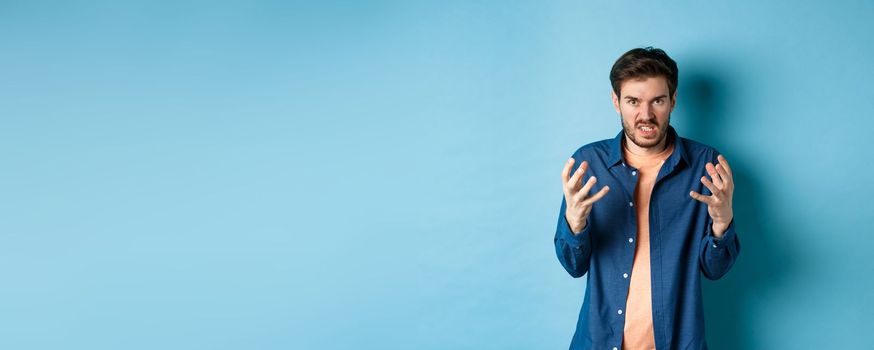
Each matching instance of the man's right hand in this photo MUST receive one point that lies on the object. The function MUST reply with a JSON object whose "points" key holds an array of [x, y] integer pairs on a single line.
{"points": [[576, 195]]}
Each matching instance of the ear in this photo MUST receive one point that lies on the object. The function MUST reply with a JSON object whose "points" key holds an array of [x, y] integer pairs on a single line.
{"points": [[615, 100], [674, 101]]}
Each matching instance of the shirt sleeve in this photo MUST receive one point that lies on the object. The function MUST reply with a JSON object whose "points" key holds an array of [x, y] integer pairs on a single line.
{"points": [[717, 255], [573, 250]]}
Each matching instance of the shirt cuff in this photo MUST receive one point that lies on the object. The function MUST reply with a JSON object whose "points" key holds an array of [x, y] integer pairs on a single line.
{"points": [[726, 239], [569, 236]]}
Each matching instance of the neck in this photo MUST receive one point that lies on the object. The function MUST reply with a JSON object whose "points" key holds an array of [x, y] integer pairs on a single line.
{"points": [[646, 151]]}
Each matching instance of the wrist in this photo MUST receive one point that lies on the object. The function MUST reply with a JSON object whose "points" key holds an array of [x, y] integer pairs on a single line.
{"points": [[576, 226], [719, 229]]}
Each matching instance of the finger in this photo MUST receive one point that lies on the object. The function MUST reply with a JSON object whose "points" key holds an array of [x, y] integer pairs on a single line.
{"points": [[584, 192], [566, 172], [726, 178], [726, 168], [603, 192], [710, 186], [576, 179], [711, 170], [725, 165], [701, 198]]}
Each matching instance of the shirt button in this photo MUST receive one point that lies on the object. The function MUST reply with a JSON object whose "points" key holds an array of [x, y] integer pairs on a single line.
{"points": [[624, 275], [633, 173], [630, 204], [615, 348], [631, 240], [620, 311]]}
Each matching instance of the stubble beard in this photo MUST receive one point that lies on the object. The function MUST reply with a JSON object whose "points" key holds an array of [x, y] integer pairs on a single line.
{"points": [[631, 132]]}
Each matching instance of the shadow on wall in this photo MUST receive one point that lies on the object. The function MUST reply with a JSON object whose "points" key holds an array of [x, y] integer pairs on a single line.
{"points": [[732, 303]]}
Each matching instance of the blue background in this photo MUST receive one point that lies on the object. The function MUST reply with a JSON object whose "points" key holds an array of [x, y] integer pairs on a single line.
{"points": [[385, 174]]}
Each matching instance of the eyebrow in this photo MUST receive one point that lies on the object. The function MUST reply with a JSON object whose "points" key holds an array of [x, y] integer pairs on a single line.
{"points": [[654, 98]]}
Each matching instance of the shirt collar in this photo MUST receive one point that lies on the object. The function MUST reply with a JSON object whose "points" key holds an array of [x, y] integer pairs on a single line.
{"points": [[672, 161]]}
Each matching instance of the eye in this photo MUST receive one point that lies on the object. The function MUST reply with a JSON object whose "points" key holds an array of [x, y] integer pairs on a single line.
{"points": [[660, 101], [632, 102]]}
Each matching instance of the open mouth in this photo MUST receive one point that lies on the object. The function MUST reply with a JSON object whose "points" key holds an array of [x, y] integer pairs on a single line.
{"points": [[647, 130]]}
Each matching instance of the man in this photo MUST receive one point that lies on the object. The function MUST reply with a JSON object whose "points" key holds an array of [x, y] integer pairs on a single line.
{"points": [[661, 218]]}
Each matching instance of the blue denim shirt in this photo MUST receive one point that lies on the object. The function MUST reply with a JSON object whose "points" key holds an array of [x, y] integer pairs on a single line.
{"points": [[682, 248]]}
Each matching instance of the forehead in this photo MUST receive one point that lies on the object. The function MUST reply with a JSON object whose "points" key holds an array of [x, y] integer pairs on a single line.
{"points": [[645, 87]]}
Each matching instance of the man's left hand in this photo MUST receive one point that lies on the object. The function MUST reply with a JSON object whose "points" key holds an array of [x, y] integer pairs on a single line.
{"points": [[721, 185]]}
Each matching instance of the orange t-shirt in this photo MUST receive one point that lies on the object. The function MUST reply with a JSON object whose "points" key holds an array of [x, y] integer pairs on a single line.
{"points": [[638, 333]]}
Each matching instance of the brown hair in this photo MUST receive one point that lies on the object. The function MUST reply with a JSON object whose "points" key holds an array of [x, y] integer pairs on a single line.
{"points": [[644, 63]]}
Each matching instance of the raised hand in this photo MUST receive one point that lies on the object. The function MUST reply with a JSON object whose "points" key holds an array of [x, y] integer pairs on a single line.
{"points": [[721, 185], [576, 195]]}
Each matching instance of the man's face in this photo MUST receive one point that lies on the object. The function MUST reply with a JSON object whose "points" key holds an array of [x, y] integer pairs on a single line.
{"points": [[645, 109]]}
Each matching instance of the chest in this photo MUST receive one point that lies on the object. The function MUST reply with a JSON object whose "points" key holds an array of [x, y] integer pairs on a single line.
{"points": [[662, 192]]}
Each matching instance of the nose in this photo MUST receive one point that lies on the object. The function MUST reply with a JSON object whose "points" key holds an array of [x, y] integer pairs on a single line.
{"points": [[646, 111]]}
